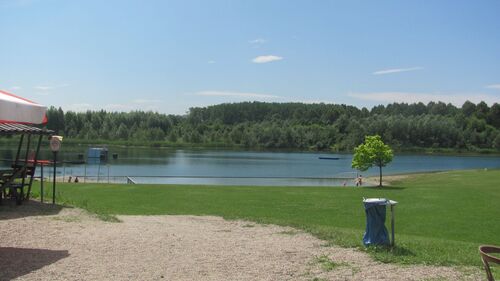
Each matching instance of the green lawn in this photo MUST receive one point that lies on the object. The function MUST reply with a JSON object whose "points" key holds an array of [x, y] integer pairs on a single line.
{"points": [[441, 218]]}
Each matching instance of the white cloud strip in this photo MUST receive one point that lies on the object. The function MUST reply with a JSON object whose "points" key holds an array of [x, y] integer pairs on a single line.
{"points": [[456, 99], [396, 70], [494, 86], [266, 59], [235, 94], [258, 41]]}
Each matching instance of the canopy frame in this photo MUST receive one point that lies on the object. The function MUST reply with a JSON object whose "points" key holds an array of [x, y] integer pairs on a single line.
{"points": [[13, 181]]}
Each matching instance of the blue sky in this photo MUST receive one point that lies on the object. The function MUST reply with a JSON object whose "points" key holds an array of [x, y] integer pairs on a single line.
{"points": [[168, 56]]}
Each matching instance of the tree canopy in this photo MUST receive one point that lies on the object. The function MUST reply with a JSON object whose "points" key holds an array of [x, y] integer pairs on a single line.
{"points": [[335, 127], [373, 152]]}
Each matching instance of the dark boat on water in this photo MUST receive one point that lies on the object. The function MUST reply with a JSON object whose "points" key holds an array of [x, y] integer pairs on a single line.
{"points": [[329, 158]]}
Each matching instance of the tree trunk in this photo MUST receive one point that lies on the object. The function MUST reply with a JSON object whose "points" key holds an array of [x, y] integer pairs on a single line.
{"points": [[380, 169]]}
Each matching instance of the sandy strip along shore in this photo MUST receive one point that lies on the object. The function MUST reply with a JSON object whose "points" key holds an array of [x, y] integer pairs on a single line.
{"points": [[38, 242]]}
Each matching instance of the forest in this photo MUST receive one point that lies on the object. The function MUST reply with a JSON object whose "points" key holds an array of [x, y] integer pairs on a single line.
{"points": [[260, 125]]}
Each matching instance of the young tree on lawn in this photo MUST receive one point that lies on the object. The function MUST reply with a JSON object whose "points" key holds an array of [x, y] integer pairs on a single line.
{"points": [[373, 152]]}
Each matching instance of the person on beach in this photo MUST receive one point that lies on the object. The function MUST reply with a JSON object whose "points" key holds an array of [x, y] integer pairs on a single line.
{"points": [[76, 180], [359, 180], [69, 179]]}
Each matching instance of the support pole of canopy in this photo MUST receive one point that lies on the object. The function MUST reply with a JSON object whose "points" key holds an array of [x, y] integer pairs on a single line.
{"points": [[25, 170], [35, 162], [19, 150]]}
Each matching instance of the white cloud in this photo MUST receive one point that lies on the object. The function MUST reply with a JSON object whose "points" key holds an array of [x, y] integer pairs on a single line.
{"points": [[235, 94], [396, 70], [211, 62], [15, 88], [257, 41], [494, 86], [406, 97], [266, 59], [48, 88]]}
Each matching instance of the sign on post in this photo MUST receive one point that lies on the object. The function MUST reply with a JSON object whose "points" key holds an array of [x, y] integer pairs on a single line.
{"points": [[55, 146]]}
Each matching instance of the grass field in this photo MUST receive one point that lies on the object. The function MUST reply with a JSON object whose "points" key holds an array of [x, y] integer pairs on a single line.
{"points": [[441, 218]]}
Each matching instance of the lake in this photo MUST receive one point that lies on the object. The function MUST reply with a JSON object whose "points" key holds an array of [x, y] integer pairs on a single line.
{"points": [[205, 166]]}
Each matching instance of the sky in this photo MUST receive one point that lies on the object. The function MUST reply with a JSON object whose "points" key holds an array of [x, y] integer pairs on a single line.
{"points": [[168, 56]]}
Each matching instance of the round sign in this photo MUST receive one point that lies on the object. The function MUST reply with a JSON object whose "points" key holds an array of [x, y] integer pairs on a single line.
{"points": [[55, 144]]}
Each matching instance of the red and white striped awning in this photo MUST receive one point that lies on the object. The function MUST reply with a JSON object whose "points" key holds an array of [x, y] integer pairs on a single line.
{"points": [[14, 109]]}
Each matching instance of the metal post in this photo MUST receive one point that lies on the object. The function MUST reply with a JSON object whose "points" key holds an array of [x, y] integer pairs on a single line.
{"points": [[34, 167], [54, 180], [392, 224], [98, 171], [84, 171], [23, 180], [41, 183], [108, 173], [19, 150]]}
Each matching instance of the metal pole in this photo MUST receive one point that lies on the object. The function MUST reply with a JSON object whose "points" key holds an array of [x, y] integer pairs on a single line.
{"points": [[41, 183], [34, 167], [84, 171], [108, 173], [98, 171], [25, 172], [392, 224], [19, 150], [54, 180]]}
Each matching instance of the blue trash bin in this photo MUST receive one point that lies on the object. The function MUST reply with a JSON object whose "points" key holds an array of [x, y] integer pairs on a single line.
{"points": [[376, 232]]}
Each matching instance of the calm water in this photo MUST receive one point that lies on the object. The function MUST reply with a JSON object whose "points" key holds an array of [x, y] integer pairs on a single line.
{"points": [[185, 166]]}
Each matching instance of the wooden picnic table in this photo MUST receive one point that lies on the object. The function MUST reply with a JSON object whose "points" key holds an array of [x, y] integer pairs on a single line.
{"points": [[8, 183]]}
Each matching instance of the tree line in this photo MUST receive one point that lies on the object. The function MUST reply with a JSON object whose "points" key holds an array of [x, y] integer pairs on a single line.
{"points": [[335, 127]]}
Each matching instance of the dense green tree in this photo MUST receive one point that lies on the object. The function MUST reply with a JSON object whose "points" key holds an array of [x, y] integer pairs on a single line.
{"points": [[293, 125], [373, 152]]}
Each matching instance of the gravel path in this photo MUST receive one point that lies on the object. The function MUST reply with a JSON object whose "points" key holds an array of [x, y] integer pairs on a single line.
{"points": [[41, 243]]}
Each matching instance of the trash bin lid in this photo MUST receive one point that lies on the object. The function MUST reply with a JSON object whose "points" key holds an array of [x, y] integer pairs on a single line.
{"points": [[380, 201], [375, 200]]}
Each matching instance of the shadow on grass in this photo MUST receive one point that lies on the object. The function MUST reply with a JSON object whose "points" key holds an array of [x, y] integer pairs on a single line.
{"points": [[9, 210], [389, 254], [389, 187], [395, 251], [16, 262]]}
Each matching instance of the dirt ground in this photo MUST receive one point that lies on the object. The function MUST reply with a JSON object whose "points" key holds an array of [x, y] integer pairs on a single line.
{"points": [[40, 242]]}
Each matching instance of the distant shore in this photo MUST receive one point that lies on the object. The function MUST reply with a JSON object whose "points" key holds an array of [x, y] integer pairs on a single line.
{"points": [[177, 145]]}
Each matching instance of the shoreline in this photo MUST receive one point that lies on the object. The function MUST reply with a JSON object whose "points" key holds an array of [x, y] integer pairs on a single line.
{"points": [[369, 181]]}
